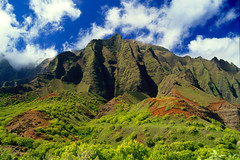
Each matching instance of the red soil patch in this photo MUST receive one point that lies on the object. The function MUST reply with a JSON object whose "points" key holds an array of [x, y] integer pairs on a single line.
{"points": [[54, 94], [158, 106], [216, 106], [25, 124], [173, 111], [179, 105]]}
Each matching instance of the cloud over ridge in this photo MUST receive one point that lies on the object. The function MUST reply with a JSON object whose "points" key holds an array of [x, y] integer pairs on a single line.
{"points": [[48, 18], [167, 25], [224, 48]]}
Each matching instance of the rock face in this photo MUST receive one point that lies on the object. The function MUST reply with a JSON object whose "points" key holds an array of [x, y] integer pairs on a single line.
{"points": [[229, 113], [114, 66]]}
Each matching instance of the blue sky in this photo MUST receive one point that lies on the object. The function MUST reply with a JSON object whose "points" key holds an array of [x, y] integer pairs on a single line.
{"points": [[32, 30]]}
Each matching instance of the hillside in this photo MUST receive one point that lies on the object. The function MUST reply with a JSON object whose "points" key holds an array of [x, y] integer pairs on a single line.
{"points": [[66, 125], [122, 99]]}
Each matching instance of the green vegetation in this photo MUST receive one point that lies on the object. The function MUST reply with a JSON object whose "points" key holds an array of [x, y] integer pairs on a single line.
{"points": [[197, 95], [130, 133]]}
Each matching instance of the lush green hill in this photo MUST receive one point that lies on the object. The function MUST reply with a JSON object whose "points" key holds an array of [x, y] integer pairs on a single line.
{"points": [[62, 126], [122, 99]]}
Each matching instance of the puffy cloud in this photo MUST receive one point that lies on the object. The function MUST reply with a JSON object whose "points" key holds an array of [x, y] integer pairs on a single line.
{"points": [[223, 48], [8, 29], [167, 25], [54, 10], [49, 15], [184, 14]]}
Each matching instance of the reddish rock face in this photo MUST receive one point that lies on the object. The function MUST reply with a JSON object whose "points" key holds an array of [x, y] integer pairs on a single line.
{"points": [[228, 112]]}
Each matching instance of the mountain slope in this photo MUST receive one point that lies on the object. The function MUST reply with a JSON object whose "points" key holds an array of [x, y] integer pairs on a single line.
{"points": [[114, 66]]}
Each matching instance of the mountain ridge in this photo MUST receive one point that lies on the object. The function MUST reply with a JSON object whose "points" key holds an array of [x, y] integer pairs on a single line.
{"points": [[113, 66]]}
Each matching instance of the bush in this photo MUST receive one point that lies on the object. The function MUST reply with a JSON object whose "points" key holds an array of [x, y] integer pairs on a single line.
{"points": [[180, 146], [167, 108], [188, 123], [183, 108], [193, 117], [172, 123], [131, 150], [210, 137], [111, 127], [143, 115], [210, 128], [7, 155], [150, 142], [27, 142], [118, 137], [64, 133], [133, 135], [192, 130], [159, 138], [145, 129], [182, 131], [166, 117]]}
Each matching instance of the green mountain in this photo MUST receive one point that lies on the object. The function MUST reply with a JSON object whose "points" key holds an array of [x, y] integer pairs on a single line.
{"points": [[122, 99], [114, 66], [12, 77]]}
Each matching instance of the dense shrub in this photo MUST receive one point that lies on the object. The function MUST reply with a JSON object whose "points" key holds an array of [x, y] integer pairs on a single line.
{"points": [[192, 130]]}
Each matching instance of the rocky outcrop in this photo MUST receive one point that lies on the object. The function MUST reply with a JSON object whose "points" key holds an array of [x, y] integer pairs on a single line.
{"points": [[229, 113]]}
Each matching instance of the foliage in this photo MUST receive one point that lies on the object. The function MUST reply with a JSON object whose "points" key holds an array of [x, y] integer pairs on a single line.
{"points": [[126, 134]]}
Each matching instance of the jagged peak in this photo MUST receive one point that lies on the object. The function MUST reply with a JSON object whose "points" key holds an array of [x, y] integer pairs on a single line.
{"points": [[116, 36], [225, 65], [214, 59]]}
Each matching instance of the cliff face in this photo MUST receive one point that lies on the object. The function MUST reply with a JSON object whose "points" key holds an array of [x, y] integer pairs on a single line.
{"points": [[114, 66]]}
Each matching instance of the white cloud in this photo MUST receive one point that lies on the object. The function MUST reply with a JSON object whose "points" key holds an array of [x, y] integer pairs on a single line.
{"points": [[7, 21], [49, 16], [226, 17], [31, 56], [165, 25], [223, 48], [85, 36], [54, 10], [184, 14]]}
